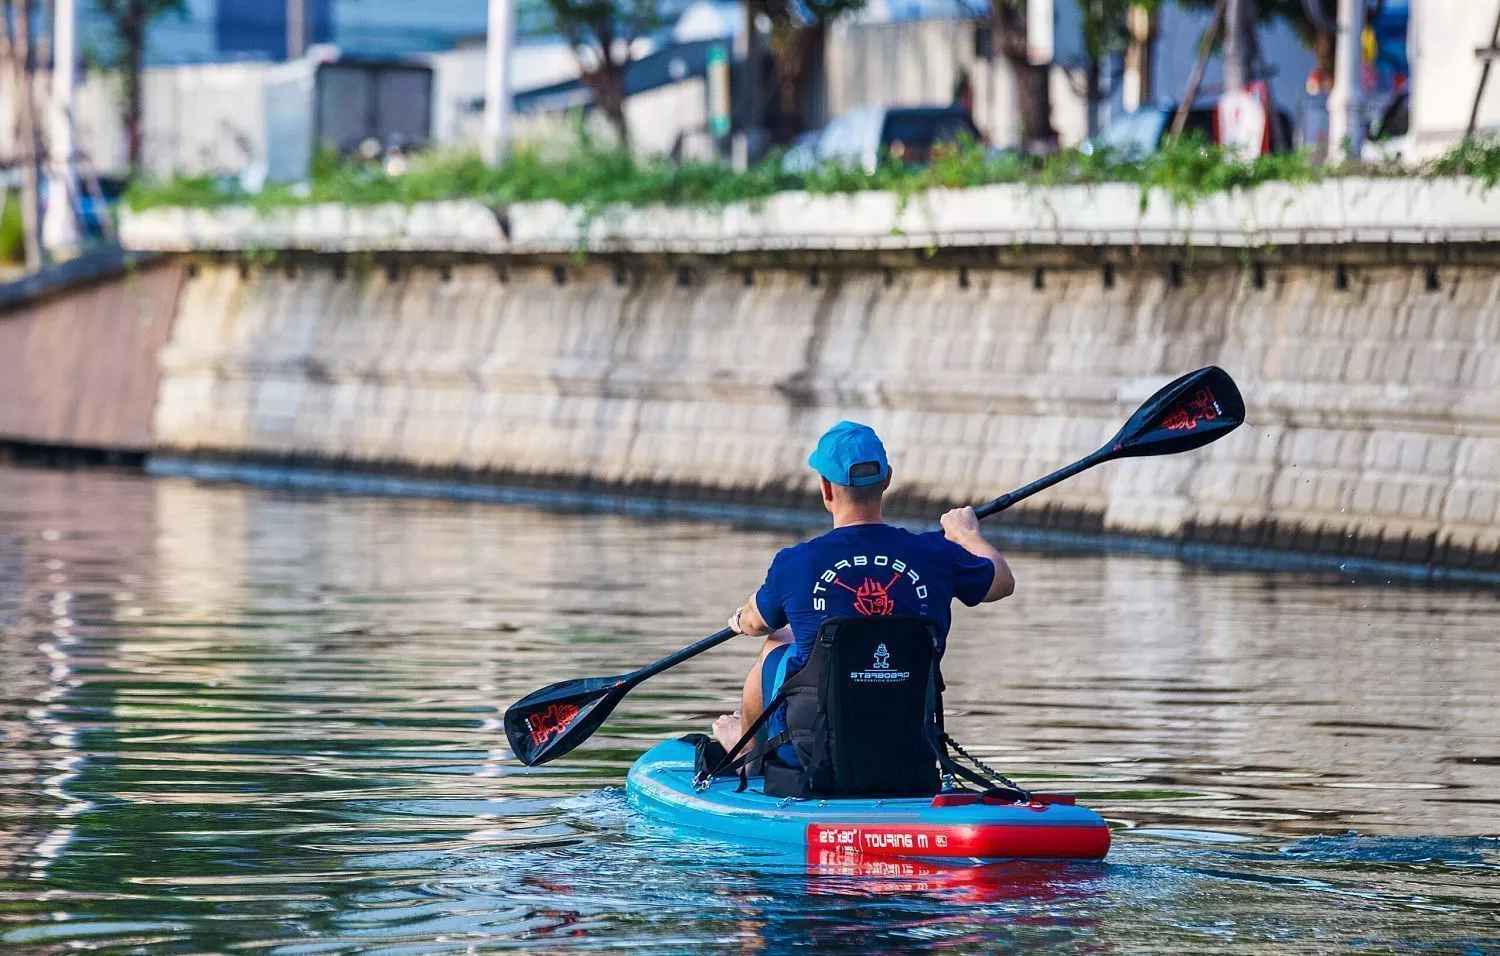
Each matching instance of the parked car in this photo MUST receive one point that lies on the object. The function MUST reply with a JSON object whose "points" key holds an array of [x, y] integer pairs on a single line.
{"points": [[1144, 131], [98, 211], [860, 137], [1388, 138], [803, 154], [95, 211]]}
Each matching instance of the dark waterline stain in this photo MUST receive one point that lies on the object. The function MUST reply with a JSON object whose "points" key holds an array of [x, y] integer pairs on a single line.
{"points": [[1350, 570]]}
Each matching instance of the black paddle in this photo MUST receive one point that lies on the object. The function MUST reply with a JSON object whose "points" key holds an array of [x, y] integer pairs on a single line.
{"points": [[1191, 412]]}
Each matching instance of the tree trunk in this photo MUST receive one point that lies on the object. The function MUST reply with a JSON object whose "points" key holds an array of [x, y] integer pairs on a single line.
{"points": [[797, 52], [1033, 96], [133, 39], [1195, 78], [1140, 86], [28, 141], [607, 82], [753, 80], [1094, 95], [1033, 86], [609, 96], [1322, 45]]}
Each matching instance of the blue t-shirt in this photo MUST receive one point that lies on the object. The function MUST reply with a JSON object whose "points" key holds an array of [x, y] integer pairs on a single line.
{"points": [[870, 569]]}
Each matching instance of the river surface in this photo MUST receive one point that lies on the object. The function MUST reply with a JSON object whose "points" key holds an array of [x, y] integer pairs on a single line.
{"points": [[239, 719]]}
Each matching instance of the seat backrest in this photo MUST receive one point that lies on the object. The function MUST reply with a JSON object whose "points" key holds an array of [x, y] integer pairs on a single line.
{"points": [[859, 722]]}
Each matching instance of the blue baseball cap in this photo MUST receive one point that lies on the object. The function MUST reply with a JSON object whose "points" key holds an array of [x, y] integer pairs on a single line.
{"points": [[850, 454]]}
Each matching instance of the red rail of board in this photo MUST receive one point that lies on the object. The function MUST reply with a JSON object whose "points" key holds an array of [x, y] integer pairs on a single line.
{"points": [[988, 841]]}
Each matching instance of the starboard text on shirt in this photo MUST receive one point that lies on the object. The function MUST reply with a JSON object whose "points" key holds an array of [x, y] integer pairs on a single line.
{"points": [[870, 570]]}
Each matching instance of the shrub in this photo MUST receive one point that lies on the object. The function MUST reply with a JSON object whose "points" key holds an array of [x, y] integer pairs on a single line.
{"points": [[12, 237], [592, 177]]}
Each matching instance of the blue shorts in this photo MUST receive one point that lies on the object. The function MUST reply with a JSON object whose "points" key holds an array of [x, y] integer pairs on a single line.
{"points": [[773, 673], [772, 676]]}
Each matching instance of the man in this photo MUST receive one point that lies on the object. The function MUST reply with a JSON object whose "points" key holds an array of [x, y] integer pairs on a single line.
{"points": [[863, 566]]}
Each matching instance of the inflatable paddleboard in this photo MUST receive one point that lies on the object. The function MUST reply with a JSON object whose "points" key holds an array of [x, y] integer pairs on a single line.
{"points": [[957, 826]]}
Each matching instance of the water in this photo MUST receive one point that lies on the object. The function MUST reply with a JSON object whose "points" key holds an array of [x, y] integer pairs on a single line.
{"points": [[245, 720]]}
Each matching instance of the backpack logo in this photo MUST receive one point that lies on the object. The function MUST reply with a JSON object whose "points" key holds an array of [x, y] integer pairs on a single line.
{"points": [[880, 671]]}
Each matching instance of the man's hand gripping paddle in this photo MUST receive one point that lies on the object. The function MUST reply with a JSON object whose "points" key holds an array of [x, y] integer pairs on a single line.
{"points": [[1191, 412]]}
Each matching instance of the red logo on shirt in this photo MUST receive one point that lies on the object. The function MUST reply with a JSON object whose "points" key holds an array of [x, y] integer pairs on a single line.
{"points": [[871, 598]]}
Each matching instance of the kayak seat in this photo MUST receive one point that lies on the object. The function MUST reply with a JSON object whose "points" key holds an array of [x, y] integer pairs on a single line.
{"points": [[862, 714]]}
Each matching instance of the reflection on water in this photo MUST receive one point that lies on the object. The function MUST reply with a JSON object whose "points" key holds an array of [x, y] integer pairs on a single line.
{"points": [[236, 719]]}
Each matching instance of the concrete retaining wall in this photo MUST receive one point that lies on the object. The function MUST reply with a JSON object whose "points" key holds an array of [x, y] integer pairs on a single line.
{"points": [[1375, 407], [78, 367]]}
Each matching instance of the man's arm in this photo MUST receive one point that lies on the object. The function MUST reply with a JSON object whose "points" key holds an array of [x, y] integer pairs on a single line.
{"points": [[961, 526], [747, 620]]}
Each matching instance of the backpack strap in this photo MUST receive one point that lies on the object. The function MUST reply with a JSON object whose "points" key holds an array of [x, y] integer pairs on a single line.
{"points": [[732, 761], [814, 766], [986, 778], [997, 781], [938, 742]]}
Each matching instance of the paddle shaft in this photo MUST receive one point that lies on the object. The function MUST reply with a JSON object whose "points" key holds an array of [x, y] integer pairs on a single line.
{"points": [[672, 660], [1041, 484]]}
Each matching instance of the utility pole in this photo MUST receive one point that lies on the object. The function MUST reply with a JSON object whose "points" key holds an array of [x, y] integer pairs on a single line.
{"points": [[296, 29], [1487, 56], [1195, 79], [1235, 50], [498, 40], [1345, 131], [59, 225]]}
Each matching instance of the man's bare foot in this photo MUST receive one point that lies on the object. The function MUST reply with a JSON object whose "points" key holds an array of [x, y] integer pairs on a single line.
{"points": [[728, 730]]}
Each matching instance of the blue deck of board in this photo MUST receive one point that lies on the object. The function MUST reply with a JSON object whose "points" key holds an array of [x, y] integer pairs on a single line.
{"points": [[660, 785]]}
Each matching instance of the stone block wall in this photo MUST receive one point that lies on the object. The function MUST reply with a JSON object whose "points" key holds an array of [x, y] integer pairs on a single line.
{"points": [[1374, 400]]}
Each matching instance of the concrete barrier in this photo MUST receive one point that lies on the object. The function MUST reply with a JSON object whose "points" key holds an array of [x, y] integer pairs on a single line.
{"points": [[1374, 392], [78, 360], [1334, 212]]}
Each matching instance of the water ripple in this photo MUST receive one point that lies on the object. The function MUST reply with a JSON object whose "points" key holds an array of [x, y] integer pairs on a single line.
{"points": [[250, 721]]}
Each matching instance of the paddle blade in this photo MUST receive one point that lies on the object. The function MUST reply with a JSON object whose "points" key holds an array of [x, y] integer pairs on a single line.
{"points": [[1200, 407], [552, 721]]}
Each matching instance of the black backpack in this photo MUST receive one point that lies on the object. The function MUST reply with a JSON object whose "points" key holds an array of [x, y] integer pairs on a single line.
{"points": [[865, 717], [859, 714]]}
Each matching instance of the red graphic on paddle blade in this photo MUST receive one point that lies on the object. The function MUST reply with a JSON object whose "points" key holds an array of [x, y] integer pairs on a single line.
{"points": [[551, 722], [1202, 407]]}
